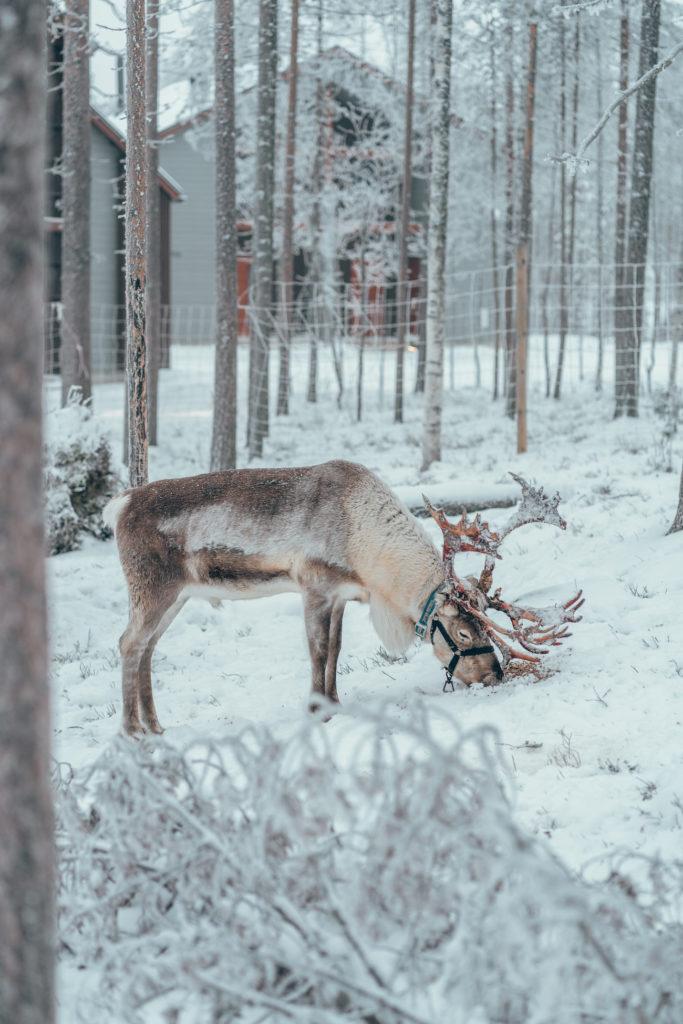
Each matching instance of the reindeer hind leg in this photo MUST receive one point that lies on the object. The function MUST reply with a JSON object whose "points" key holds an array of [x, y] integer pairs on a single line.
{"points": [[136, 646]]}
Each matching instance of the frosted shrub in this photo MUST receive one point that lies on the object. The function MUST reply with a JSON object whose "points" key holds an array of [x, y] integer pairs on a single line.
{"points": [[377, 878], [79, 478]]}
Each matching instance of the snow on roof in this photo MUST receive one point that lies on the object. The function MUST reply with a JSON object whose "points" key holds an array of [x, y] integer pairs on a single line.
{"points": [[115, 130]]}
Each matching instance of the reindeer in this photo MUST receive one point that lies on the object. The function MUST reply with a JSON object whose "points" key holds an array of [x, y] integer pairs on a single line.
{"points": [[334, 533]]}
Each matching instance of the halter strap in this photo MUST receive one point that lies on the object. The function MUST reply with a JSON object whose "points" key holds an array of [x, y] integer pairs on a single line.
{"points": [[421, 624], [458, 653]]}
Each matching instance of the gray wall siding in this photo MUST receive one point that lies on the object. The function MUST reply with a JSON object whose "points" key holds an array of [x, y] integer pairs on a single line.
{"points": [[192, 236], [104, 241]]}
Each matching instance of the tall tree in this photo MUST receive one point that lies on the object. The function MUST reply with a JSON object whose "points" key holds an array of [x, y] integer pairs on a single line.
{"points": [[288, 217], [262, 248], [136, 219], [403, 285], [224, 438], [438, 222], [563, 295], [314, 267], [75, 348], [27, 938], [626, 390], [524, 244], [510, 376], [621, 212], [600, 219], [494, 212], [677, 524], [153, 227]]}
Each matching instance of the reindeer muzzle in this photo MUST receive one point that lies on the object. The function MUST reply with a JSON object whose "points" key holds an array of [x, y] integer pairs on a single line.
{"points": [[458, 652]]}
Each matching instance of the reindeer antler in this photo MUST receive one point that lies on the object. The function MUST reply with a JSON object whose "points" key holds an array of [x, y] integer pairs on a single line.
{"points": [[548, 627], [535, 507], [465, 535]]}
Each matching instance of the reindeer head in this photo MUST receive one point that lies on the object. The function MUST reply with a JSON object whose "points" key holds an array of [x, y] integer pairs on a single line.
{"points": [[463, 606]]}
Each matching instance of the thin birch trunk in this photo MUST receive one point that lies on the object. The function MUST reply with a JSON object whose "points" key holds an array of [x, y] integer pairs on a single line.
{"points": [[621, 296], [262, 266], [523, 246], [403, 285], [136, 219], [639, 206], [224, 435], [27, 934], [153, 240], [76, 362], [287, 316], [438, 221]]}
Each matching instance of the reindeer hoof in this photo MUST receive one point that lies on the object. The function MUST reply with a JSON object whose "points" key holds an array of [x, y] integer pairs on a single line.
{"points": [[134, 729]]}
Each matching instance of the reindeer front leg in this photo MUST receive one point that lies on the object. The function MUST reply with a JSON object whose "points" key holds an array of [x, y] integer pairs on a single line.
{"points": [[333, 651], [318, 618]]}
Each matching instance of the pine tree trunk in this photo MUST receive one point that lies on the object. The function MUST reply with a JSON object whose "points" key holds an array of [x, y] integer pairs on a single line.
{"points": [[314, 268], [287, 316], [600, 212], [639, 207], [621, 295], [224, 434], [403, 284], [27, 938], [564, 301], [76, 363], [510, 375], [523, 247], [438, 221], [261, 299], [136, 219], [153, 240], [677, 524], [494, 219]]}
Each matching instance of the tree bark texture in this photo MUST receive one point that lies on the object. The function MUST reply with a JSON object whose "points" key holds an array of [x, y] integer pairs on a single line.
{"points": [[403, 285], [563, 295], [621, 296], [524, 245], [224, 437], [510, 376], [153, 229], [27, 937], [76, 360], [136, 219], [438, 222], [626, 393], [494, 218], [287, 295], [262, 260]]}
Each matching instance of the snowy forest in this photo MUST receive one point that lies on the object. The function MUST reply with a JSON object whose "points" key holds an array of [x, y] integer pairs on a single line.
{"points": [[306, 309]]}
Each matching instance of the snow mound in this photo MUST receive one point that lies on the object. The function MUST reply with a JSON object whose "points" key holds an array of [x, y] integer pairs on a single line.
{"points": [[373, 874]]}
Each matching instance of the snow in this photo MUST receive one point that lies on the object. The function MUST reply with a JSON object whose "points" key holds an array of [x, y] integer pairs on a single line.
{"points": [[594, 749]]}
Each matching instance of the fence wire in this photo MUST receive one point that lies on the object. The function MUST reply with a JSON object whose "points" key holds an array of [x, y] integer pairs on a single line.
{"points": [[341, 340]]}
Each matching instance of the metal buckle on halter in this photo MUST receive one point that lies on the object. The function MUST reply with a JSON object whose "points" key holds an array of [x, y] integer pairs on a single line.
{"points": [[421, 630]]}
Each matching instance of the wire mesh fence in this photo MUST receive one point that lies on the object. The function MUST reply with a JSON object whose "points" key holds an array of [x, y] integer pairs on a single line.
{"points": [[340, 341]]}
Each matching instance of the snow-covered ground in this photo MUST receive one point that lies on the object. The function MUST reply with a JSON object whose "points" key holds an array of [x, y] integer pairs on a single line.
{"points": [[595, 748]]}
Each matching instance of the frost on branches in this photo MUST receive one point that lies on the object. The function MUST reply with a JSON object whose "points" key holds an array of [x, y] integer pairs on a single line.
{"points": [[378, 876], [79, 478]]}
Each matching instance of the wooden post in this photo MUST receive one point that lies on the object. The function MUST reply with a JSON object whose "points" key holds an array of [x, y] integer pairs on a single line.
{"points": [[522, 255]]}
